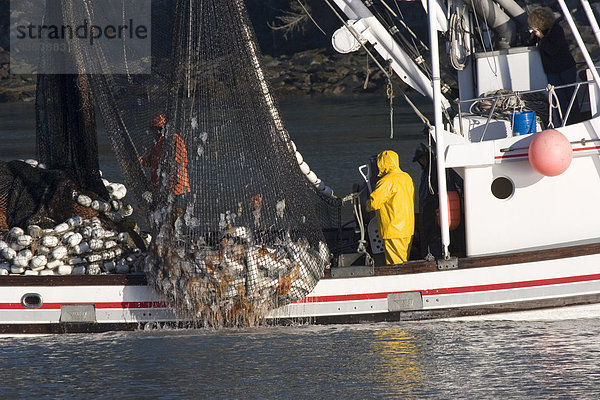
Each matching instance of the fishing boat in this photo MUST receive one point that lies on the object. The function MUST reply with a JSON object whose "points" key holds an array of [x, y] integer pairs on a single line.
{"points": [[530, 233]]}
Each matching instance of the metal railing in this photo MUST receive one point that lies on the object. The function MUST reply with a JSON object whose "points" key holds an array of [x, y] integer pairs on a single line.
{"points": [[518, 94]]}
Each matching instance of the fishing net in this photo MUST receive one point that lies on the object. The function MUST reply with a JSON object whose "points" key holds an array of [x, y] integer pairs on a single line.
{"points": [[30, 194], [65, 115], [237, 228]]}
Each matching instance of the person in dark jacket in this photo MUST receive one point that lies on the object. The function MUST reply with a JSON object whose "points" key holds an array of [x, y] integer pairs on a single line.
{"points": [[558, 63]]}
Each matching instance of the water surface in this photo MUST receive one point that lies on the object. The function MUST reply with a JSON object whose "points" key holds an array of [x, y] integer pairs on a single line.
{"points": [[438, 360]]}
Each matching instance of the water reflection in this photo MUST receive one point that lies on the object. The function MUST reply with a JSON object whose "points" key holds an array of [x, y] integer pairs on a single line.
{"points": [[399, 353]]}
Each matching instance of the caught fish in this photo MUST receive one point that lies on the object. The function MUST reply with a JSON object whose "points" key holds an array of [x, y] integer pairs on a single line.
{"points": [[257, 205], [92, 258], [81, 248]]}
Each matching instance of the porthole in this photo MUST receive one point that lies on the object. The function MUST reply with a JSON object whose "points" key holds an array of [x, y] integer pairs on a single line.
{"points": [[31, 300], [502, 188]]}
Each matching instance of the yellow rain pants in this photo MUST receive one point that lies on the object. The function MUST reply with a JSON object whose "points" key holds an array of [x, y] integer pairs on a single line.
{"points": [[397, 250]]}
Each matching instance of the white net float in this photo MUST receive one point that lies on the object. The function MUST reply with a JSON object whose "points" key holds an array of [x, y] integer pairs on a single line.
{"points": [[304, 168], [61, 228], [53, 264], [15, 232], [84, 200], [59, 252], [49, 241], [64, 269]]}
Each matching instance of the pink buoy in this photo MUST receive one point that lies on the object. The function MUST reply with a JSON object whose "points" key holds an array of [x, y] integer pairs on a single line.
{"points": [[550, 153]]}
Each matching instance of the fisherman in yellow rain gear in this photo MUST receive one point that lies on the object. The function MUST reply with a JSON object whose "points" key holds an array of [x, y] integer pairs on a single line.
{"points": [[393, 199]]}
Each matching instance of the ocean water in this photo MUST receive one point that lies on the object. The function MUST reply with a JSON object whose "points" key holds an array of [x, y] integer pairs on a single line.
{"points": [[418, 360], [427, 360]]}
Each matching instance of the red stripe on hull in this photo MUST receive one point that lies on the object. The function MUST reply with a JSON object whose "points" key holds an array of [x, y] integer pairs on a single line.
{"points": [[527, 155], [513, 285], [456, 290], [99, 305], [344, 297]]}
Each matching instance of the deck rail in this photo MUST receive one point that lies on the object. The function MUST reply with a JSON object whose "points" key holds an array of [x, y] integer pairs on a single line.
{"points": [[495, 98]]}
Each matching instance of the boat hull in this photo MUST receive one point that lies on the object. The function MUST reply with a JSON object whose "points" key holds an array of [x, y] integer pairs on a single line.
{"points": [[499, 285]]}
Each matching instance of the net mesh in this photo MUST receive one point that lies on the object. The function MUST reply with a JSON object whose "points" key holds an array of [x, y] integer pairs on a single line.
{"points": [[237, 228], [30, 195]]}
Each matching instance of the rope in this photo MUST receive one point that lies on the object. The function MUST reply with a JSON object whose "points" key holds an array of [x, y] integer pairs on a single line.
{"points": [[553, 103], [311, 17], [429, 164], [506, 101], [390, 96], [126, 62], [367, 74], [459, 48]]}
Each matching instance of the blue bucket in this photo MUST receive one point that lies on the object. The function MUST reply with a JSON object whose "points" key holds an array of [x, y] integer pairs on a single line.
{"points": [[523, 122]]}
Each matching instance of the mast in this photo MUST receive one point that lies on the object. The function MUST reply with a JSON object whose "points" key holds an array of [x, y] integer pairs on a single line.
{"points": [[439, 132], [592, 19], [577, 35]]}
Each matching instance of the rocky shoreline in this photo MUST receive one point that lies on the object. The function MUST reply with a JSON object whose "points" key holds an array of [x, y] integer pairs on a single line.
{"points": [[314, 72], [307, 73]]}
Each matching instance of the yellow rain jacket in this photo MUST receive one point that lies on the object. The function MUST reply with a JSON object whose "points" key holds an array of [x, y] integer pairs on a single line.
{"points": [[393, 198]]}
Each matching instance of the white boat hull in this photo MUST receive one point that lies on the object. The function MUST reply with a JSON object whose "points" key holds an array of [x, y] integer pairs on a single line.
{"points": [[494, 286]]}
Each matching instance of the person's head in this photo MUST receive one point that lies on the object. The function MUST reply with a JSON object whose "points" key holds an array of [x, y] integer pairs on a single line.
{"points": [[421, 155], [541, 19], [157, 124], [387, 161]]}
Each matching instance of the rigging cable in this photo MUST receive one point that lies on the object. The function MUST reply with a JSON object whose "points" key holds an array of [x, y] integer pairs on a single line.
{"points": [[311, 17], [493, 68], [389, 23], [412, 33], [406, 98]]}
